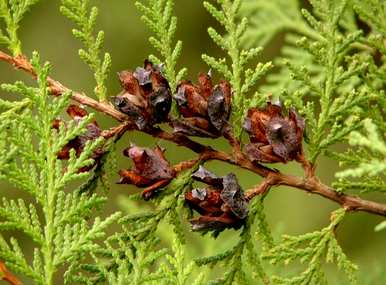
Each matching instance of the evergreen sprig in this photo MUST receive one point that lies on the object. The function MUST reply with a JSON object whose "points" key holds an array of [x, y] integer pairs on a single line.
{"points": [[130, 259], [335, 90], [373, 12], [12, 12], [331, 70], [368, 161], [317, 70], [84, 17], [158, 17], [311, 248], [262, 30], [242, 262], [235, 69], [117, 261], [64, 231], [374, 141], [174, 269], [131, 252], [287, 18]]}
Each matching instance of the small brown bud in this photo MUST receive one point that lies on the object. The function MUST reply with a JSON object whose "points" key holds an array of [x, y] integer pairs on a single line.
{"points": [[191, 103], [78, 143]]}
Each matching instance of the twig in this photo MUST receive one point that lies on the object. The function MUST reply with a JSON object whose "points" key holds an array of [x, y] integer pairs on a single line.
{"points": [[260, 189], [21, 62], [7, 276], [185, 165], [117, 132], [309, 184]]}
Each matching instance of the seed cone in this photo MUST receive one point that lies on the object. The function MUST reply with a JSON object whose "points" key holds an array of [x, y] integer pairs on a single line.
{"points": [[274, 136], [221, 204], [205, 108], [151, 169], [78, 143], [146, 96]]}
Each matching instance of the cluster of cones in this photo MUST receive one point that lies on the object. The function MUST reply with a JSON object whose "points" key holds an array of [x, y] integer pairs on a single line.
{"points": [[275, 136]]}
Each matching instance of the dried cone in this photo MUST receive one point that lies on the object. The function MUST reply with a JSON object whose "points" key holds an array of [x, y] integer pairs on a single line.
{"points": [[151, 170], [146, 97], [205, 108], [274, 137], [93, 132], [221, 204]]}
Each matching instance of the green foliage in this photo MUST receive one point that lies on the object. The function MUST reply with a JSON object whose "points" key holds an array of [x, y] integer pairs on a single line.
{"points": [[130, 259], [312, 248], [376, 145], [242, 262], [84, 17], [372, 12], [235, 69], [287, 18], [368, 161], [28, 160], [338, 103], [158, 17], [319, 73], [131, 253], [12, 12], [176, 271], [330, 70]]}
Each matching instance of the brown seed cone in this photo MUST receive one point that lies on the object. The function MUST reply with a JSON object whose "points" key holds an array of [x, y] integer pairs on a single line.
{"points": [[151, 169], [221, 205], [78, 143], [274, 136], [204, 107], [146, 96]]}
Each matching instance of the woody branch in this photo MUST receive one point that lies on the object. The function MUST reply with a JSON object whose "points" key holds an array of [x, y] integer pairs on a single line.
{"points": [[310, 183]]}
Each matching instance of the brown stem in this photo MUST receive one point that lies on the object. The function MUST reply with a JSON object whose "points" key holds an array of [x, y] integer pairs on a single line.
{"points": [[185, 165], [309, 184], [260, 189], [7, 276], [21, 62], [117, 132], [309, 168]]}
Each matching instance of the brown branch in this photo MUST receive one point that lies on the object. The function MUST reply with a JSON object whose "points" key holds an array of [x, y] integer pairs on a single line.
{"points": [[117, 132], [21, 62], [314, 186], [184, 165], [349, 202], [309, 184], [7, 276], [260, 189], [309, 168]]}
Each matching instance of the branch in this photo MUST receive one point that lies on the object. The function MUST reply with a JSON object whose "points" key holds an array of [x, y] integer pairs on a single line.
{"points": [[7, 276], [21, 62], [309, 183]]}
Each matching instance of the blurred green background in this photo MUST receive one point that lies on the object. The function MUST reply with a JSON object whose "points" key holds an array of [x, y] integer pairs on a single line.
{"points": [[289, 211]]}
